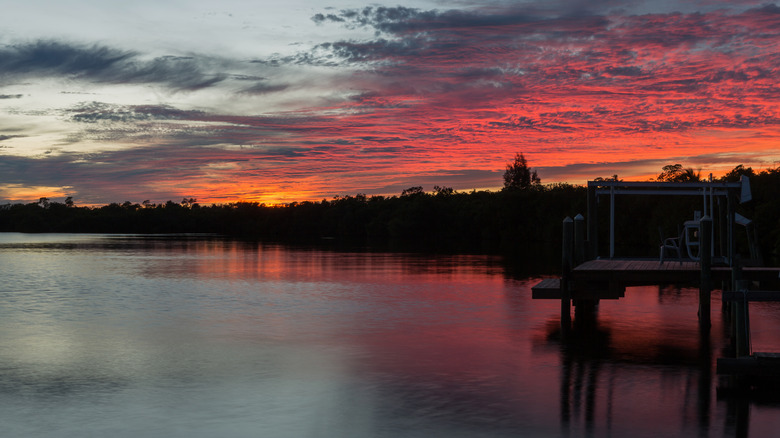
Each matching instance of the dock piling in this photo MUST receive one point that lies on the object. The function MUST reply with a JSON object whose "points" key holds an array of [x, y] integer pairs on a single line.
{"points": [[567, 262], [593, 227], [741, 320], [579, 240], [705, 285]]}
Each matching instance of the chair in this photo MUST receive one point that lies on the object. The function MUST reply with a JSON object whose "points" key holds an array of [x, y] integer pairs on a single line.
{"points": [[672, 244]]}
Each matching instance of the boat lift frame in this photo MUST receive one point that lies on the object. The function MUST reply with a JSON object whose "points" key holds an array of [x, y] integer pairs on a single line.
{"points": [[733, 192]]}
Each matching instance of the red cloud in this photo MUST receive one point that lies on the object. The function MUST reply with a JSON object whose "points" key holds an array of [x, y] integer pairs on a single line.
{"points": [[453, 96]]}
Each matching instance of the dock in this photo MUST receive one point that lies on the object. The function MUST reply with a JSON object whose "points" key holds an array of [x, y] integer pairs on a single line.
{"points": [[757, 365], [709, 258], [599, 279], [607, 279]]}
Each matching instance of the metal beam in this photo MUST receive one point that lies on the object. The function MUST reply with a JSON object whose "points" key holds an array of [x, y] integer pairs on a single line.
{"points": [[679, 192], [666, 185]]}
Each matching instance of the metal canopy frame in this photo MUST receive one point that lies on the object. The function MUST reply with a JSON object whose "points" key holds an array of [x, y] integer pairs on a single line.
{"points": [[733, 192]]}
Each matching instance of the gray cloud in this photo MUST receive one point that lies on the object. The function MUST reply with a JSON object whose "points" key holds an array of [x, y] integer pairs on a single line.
{"points": [[404, 20], [351, 51], [50, 57], [377, 139], [105, 65], [265, 88], [93, 112], [625, 71]]}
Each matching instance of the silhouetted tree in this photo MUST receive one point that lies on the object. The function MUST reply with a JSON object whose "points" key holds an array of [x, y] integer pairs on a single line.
{"points": [[508, 221], [676, 173], [736, 173], [416, 190], [519, 176], [443, 191]]}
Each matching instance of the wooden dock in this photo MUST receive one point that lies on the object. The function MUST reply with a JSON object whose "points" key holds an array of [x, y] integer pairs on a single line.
{"points": [[637, 272], [757, 365], [608, 278], [713, 263]]}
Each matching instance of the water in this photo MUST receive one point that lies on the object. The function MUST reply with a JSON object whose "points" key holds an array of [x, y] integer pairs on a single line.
{"points": [[128, 336]]}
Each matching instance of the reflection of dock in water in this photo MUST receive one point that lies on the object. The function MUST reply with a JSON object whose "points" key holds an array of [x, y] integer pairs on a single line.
{"points": [[603, 354], [595, 363]]}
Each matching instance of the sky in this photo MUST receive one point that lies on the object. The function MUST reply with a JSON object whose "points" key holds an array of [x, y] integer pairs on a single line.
{"points": [[276, 102]]}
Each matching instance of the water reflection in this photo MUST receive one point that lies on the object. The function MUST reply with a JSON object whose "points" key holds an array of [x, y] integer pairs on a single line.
{"points": [[664, 360], [164, 336]]}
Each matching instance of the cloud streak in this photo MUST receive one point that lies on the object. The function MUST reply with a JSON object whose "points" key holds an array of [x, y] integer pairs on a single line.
{"points": [[103, 64]]}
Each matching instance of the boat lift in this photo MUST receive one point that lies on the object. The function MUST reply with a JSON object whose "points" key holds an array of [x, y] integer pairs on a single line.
{"points": [[710, 192]]}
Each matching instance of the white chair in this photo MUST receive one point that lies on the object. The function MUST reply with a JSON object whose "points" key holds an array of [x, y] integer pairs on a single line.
{"points": [[672, 244]]}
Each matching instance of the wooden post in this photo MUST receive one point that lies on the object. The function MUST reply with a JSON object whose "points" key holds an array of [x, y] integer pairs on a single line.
{"points": [[730, 222], [579, 240], [593, 223], [741, 321], [611, 222], [566, 264], [721, 220], [705, 286]]}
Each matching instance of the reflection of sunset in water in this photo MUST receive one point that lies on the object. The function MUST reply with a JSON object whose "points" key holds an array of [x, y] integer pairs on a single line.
{"points": [[205, 336]]}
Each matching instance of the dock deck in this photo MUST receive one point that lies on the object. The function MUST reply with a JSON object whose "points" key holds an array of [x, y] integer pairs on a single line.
{"points": [[757, 365], [607, 278], [637, 271]]}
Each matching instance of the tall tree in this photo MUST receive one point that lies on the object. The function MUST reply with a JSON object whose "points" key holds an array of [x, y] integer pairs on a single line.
{"points": [[676, 173], [736, 173], [519, 176]]}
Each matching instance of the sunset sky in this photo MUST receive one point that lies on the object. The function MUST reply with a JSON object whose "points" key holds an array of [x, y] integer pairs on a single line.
{"points": [[305, 100]]}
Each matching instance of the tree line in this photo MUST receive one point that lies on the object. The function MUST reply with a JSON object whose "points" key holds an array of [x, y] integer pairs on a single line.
{"points": [[523, 219]]}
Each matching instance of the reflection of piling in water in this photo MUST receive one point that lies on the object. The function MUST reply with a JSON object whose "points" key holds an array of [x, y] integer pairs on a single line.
{"points": [[593, 360], [738, 416], [579, 386], [582, 362], [747, 369]]}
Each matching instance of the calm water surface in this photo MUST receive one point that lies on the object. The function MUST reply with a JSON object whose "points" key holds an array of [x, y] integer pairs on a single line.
{"points": [[128, 336]]}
